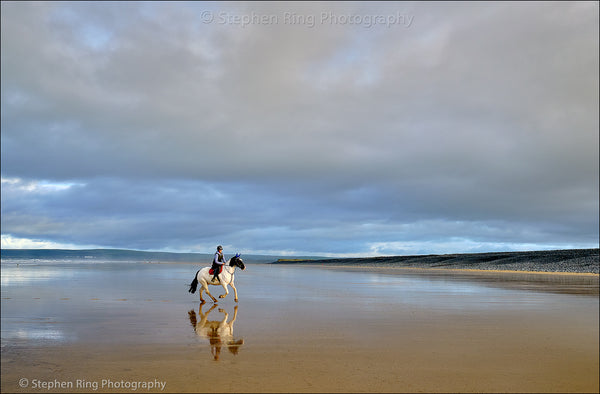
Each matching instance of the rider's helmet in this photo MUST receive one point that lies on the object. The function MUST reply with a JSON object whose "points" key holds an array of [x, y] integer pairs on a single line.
{"points": [[219, 247]]}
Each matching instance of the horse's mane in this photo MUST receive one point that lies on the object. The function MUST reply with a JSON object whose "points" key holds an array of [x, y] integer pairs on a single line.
{"points": [[232, 261]]}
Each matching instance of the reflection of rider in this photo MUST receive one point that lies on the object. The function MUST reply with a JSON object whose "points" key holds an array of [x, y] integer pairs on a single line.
{"points": [[218, 262], [215, 343]]}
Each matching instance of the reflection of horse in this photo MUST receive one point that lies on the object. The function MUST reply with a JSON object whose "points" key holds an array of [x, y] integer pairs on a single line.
{"points": [[225, 278], [218, 333]]}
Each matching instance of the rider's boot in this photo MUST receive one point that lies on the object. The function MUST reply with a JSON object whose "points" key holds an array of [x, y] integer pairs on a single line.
{"points": [[216, 270]]}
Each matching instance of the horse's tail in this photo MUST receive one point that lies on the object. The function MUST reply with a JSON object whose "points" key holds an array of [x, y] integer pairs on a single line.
{"points": [[194, 283], [192, 315]]}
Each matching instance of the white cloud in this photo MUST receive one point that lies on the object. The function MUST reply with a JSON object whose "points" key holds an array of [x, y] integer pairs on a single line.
{"points": [[10, 242], [37, 187]]}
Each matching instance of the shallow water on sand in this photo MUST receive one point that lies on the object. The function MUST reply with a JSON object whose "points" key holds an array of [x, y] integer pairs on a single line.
{"points": [[147, 303], [294, 312]]}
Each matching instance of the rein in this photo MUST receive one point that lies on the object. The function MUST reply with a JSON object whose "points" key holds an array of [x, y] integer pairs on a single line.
{"points": [[229, 266]]}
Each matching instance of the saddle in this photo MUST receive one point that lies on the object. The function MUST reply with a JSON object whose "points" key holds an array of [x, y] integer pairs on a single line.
{"points": [[212, 270]]}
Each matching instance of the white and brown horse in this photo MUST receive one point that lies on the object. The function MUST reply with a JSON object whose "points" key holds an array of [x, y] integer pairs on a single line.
{"points": [[205, 278]]}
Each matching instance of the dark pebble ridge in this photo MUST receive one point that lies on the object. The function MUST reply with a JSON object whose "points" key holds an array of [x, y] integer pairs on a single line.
{"points": [[570, 260]]}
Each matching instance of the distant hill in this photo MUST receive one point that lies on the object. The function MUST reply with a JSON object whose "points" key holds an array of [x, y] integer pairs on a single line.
{"points": [[122, 255], [101, 254]]}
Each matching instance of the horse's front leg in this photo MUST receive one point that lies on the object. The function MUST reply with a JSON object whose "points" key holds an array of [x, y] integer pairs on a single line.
{"points": [[234, 291], [226, 291]]}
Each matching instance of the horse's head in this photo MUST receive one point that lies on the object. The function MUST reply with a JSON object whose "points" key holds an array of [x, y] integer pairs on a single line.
{"points": [[236, 261]]}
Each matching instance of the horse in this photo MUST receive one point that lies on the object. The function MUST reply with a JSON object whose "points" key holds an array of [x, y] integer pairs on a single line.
{"points": [[218, 333], [225, 278]]}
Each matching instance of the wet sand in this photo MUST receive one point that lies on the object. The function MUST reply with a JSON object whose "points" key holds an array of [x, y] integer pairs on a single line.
{"points": [[297, 329]]}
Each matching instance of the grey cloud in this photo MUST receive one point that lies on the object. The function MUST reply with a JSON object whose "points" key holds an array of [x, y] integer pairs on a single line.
{"points": [[476, 113]]}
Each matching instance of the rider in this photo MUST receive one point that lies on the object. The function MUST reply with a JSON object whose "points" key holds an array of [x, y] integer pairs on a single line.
{"points": [[218, 262]]}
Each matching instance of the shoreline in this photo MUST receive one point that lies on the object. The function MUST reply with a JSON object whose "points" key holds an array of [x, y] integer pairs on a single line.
{"points": [[460, 270], [548, 282]]}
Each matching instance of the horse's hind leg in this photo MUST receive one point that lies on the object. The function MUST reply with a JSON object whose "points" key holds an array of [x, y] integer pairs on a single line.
{"points": [[205, 288], [201, 299]]}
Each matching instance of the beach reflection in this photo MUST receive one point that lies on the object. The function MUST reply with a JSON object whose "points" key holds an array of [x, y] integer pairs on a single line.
{"points": [[218, 332]]}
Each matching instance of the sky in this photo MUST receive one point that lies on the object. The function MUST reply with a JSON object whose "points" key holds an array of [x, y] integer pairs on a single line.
{"points": [[309, 128]]}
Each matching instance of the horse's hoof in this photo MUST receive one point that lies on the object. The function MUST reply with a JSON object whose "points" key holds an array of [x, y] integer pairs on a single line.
{"points": [[221, 296], [236, 300]]}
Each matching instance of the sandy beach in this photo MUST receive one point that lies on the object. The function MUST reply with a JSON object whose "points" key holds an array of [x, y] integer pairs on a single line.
{"points": [[135, 328]]}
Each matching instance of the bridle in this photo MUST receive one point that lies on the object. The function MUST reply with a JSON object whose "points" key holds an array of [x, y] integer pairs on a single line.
{"points": [[232, 266]]}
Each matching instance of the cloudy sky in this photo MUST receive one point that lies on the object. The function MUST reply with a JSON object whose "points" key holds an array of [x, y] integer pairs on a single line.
{"points": [[333, 129]]}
